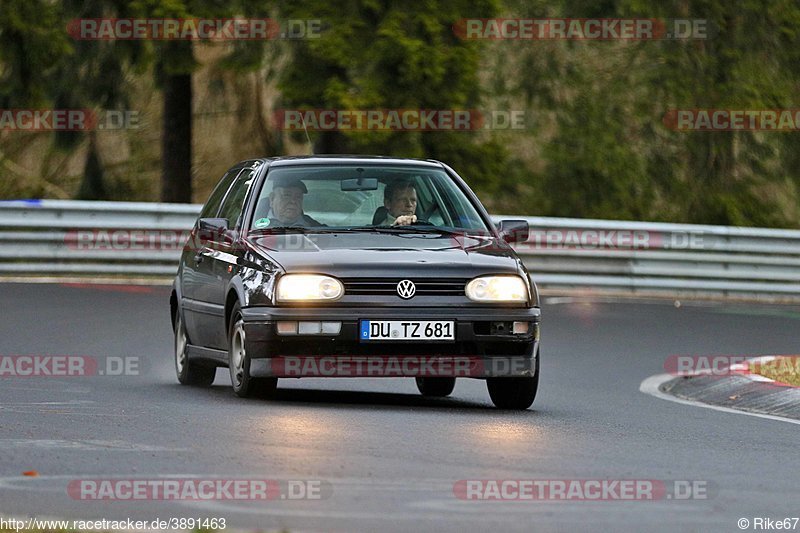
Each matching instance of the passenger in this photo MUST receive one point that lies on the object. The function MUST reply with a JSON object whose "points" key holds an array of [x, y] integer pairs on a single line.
{"points": [[286, 204]]}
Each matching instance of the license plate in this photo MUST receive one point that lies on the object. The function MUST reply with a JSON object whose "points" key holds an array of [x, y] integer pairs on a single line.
{"points": [[408, 330]]}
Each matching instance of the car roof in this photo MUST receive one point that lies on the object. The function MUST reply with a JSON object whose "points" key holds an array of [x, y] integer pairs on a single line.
{"points": [[354, 159]]}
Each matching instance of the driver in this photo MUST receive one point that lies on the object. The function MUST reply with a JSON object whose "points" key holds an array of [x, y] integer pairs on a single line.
{"points": [[400, 200]]}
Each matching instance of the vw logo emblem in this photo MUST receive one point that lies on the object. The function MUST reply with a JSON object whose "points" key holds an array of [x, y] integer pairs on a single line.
{"points": [[406, 289]]}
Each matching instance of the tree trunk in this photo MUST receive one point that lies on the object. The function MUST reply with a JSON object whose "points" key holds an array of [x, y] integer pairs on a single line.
{"points": [[176, 146], [331, 142], [92, 183]]}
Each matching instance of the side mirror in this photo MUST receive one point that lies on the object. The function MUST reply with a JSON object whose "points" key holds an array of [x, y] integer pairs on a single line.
{"points": [[513, 230], [213, 229]]}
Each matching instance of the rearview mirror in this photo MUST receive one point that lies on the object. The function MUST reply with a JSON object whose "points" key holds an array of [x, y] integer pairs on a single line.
{"points": [[513, 230], [360, 184]]}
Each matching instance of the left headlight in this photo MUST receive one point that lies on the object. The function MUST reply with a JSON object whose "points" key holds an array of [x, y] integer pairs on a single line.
{"points": [[308, 288], [497, 289]]}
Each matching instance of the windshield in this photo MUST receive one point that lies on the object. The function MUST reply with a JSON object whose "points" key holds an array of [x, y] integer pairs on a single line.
{"points": [[363, 197]]}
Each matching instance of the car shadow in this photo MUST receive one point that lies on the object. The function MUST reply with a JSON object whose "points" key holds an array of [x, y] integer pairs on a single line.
{"points": [[333, 398], [330, 398], [286, 396]]}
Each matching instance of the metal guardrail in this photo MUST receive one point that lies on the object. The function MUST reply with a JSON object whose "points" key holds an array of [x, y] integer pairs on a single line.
{"points": [[667, 259], [44, 238], [56, 238]]}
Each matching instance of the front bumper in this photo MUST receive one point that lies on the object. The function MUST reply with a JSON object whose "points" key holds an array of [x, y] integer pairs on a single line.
{"points": [[394, 366], [475, 353]]}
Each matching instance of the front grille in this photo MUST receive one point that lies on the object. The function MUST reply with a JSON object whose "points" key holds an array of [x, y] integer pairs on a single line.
{"points": [[388, 286]]}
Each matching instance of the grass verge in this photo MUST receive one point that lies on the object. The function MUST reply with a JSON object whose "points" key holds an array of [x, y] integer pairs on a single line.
{"points": [[785, 369]]}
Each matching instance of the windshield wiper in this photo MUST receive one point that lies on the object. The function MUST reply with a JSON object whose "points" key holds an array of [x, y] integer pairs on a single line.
{"points": [[407, 229], [279, 229], [296, 229]]}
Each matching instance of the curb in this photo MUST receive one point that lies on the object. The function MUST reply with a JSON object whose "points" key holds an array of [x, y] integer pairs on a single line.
{"points": [[737, 390]]}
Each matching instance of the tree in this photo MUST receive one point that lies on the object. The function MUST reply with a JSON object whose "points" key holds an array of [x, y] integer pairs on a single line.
{"points": [[174, 68], [746, 62], [97, 72], [608, 152], [32, 42], [394, 55]]}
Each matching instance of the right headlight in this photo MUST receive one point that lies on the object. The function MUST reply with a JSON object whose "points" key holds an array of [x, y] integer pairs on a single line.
{"points": [[497, 289]]}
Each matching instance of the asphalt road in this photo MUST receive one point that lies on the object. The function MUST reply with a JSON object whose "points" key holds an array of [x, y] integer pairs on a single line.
{"points": [[389, 459]]}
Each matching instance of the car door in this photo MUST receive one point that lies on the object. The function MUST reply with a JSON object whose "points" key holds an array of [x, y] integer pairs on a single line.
{"points": [[196, 275], [220, 257]]}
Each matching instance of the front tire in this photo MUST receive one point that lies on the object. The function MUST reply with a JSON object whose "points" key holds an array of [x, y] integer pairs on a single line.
{"points": [[189, 372], [514, 393], [243, 384], [436, 387]]}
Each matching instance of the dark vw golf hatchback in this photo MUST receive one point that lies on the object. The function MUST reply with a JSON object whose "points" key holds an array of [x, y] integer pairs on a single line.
{"points": [[354, 267]]}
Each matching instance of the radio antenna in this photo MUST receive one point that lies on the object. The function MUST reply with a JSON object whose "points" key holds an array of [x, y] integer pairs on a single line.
{"points": [[305, 129]]}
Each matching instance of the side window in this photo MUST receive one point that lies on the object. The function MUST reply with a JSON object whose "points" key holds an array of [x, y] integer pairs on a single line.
{"points": [[212, 204], [233, 204]]}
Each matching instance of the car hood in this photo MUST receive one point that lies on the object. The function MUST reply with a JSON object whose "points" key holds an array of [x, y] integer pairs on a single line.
{"points": [[388, 255]]}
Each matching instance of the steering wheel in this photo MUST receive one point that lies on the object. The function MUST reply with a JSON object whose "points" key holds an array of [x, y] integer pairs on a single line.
{"points": [[428, 212], [424, 218]]}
